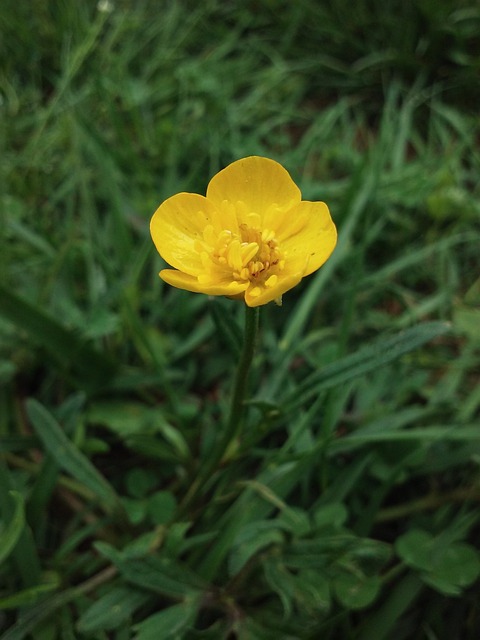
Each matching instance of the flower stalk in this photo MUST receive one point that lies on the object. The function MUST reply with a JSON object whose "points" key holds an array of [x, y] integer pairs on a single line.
{"points": [[251, 237], [237, 407]]}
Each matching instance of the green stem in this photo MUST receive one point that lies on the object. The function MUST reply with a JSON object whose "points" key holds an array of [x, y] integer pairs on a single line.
{"points": [[237, 409], [432, 501]]}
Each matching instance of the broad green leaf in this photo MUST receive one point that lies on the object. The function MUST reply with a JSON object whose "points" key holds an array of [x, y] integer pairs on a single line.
{"points": [[161, 507], [136, 509], [215, 631], [140, 482], [459, 564], [112, 609], [158, 574], [318, 552], [144, 544], [308, 589], [446, 567], [265, 628], [257, 540], [415, 548], [356, 591], [13, 529], [124, 418], [294, 520], [169, 624], [68, 456], [442, 585], [370, 555], [330, 516]]}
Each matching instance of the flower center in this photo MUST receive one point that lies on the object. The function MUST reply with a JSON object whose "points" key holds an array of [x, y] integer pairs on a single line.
{"points": [[250, 255]]}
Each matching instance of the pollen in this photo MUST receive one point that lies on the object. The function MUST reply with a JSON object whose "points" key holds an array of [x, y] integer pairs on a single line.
{"points": [[248, 255]]}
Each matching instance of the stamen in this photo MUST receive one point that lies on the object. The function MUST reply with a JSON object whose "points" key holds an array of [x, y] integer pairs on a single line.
{"points": [[267, 235], [249, 251], [241, 251], [234, 256]]}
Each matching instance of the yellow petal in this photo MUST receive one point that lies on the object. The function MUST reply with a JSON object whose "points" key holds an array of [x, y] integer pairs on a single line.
{"points": [[259, 183], [257, 295], [190, 283], [177, 225], [309, 245]]}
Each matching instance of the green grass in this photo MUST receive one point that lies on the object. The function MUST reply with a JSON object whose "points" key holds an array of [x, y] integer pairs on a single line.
{"points": [[350, 508]]}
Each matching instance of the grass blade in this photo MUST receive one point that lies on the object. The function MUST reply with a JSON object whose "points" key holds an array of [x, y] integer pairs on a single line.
{"points": [[12, 532], [369, 358], [383, 621], [69, 457], [91, 369], [360, 192], [24, 552]]}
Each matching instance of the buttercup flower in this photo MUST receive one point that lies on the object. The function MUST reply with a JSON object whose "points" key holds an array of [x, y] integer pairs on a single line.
{"points": [[251, 237]]}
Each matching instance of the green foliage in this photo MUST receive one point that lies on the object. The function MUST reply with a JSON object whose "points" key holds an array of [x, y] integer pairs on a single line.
{"points": [[68, 456], [112, 610], [348, 506], [446, 566], [11, 534]]}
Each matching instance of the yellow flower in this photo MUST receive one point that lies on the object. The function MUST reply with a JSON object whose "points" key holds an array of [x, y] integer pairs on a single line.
{"points": [[251, 237]]}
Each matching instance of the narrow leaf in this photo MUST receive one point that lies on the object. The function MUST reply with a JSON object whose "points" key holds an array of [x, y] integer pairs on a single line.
{"points": [[384, 619], [428, 434], [28, 597], [31, 619], [357, 199], [67, 348], [365, 360], [68, 456], [227, 328], [12, 532], [160, 575], [112, 609], [170, 623]]}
